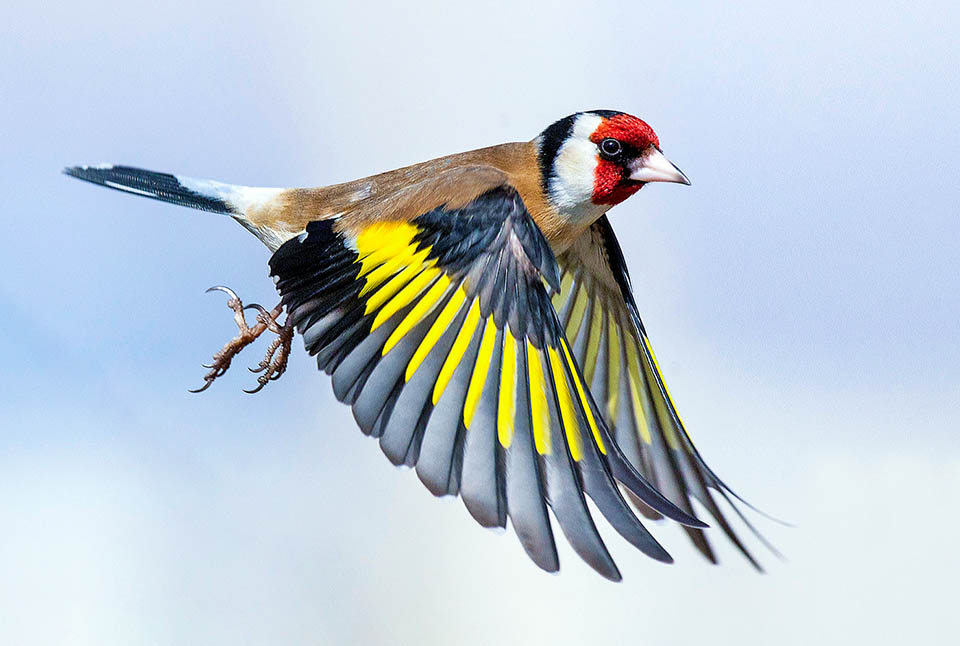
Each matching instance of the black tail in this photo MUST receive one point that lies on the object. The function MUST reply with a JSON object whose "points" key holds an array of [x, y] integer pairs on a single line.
{"points": [[205, 195]]}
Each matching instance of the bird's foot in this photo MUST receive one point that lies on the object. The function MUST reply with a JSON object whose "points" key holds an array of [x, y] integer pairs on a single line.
{"points": [[274, 363]]}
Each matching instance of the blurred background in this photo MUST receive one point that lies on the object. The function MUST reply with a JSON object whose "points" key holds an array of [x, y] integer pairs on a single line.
{"points": [[802, 296]]}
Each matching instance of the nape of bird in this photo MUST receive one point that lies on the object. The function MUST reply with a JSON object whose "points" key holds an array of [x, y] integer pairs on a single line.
{"points": [[476, 313]]}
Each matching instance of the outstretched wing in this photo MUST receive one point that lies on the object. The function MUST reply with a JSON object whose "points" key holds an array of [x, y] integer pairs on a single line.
{"points": [[601, 321], [439, 332]]}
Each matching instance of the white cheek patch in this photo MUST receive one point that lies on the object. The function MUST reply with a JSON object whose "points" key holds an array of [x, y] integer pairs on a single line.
{"points": [[571, 186], [574, 169]]}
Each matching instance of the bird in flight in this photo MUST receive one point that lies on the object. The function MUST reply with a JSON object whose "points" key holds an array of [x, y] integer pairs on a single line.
{"points": [[476, 313]]}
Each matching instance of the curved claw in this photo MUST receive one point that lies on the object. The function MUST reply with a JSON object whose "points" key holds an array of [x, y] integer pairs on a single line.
{"points": [[222, 288], [257, 306], [200, 389], [257, 389]]}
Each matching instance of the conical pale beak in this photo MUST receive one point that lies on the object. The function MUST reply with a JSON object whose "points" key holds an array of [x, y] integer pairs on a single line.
{"points": [[654, 167]]}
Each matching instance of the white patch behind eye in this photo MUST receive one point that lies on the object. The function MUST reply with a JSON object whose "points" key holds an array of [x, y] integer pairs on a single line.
{"points": [[571, 186]]}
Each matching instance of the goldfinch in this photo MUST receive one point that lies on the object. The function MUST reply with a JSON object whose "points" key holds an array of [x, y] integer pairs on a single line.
{"points": [[476, 313]]}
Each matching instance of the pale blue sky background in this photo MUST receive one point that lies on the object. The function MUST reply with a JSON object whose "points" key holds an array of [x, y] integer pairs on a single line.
{"points": [[802, 296]]}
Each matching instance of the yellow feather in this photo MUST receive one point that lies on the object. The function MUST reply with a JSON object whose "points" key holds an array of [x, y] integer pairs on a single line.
{"points": [[635, 384], [480, 369], [593, 342], [576, 316], [457, 351], [379, 273], [404, 298], [613, 374], [664, 413], [567, 413], [384, 248], [408, 267], [539, 411], [381, 241], [583, 399], [508, 385], [436, 330], [560, 297]]}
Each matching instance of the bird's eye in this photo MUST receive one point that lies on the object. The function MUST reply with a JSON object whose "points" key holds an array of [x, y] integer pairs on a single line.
{"points": [[610, 148]]}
